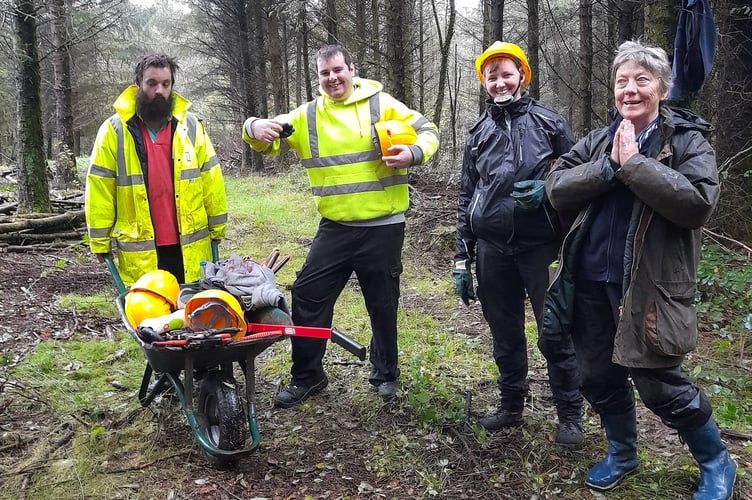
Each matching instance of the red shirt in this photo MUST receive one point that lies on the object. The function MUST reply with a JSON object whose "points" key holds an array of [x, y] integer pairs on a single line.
{"points": [[160, 185]]}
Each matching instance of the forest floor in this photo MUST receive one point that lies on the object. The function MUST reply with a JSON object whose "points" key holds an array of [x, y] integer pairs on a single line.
{"points": [[330, 448]]}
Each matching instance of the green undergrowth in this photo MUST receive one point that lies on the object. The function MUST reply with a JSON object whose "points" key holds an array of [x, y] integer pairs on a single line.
{"points": [[425, 437]]}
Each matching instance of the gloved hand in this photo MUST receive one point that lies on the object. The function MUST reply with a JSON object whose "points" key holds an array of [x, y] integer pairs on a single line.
{"points": [[528, 195], [463, 281]]}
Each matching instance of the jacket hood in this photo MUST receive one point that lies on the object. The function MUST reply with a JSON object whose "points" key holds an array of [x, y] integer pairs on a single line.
{"points": [[125, 104], [363, 89]]}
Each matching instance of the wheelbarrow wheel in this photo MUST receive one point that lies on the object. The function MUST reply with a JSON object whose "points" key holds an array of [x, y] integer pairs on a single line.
{"points": [[221, 417]]}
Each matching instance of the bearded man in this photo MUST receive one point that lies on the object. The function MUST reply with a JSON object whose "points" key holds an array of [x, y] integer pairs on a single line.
{"points": [[154, 183]]}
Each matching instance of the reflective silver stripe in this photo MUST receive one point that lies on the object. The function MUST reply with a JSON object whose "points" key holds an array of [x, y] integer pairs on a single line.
{"points": [[333, 161], [218, 219], [191, 123], [117, 125], [100, 171], [313, 137], [393, 180], [374, 103], [130, 180], [211, 162], [199, 235], [136, 246], [359, 187], [99, 232], [188, 174]]}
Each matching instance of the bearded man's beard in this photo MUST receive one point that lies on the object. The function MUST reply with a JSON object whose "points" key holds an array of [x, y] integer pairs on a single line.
{"points": [[158, 109]]}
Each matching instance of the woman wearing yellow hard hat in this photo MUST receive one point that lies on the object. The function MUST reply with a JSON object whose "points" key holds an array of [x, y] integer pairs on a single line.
{"points": [[511, 232]]}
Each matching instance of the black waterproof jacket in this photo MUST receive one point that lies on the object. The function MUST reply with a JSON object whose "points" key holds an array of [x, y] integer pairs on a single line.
{"points": [[674, 195], [508, 144]]}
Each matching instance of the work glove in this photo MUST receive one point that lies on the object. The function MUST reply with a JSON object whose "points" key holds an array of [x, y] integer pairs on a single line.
{"points": [[528, 195], [463, 281]]}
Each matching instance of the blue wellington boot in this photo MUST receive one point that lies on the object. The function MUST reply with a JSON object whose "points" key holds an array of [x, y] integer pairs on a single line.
{"points": [[717, 470], [621, 458]]}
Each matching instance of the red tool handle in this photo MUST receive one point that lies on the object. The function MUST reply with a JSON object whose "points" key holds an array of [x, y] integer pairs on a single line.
{"points": [[312, 332]]}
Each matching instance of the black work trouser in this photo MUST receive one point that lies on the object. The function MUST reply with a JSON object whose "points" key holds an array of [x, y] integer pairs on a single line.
{"points": [[667, 392], [375, 255], [503, 282]]}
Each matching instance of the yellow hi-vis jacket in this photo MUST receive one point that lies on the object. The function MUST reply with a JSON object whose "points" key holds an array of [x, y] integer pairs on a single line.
{"points": [[116, 201], [335, 142]]}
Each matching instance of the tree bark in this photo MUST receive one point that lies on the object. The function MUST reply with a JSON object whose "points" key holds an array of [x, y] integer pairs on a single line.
{"points": [[445, 45], [586, 69], [533, 46], [65, 161], [33, 188]]}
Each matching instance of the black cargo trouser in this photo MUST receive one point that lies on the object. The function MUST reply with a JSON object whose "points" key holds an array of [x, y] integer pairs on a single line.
{"points": [[503, 282], [375, 255], [667, 392]]}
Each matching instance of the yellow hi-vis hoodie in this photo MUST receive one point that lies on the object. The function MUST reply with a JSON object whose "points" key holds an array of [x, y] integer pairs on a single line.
{"points": [[335, 142], [116, 201]]}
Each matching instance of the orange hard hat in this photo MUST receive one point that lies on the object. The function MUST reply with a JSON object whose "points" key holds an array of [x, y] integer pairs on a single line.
{"points": [[143, 304], [508, 50], [391, 132], [215, 309], [161, 282]]}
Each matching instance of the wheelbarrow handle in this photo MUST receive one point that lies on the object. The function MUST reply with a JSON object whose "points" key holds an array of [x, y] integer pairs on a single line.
{"points": [[348, 344], [114, 272]]}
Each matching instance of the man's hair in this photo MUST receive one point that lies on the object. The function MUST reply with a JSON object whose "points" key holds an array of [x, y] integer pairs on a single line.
{"points": [[328, 52], [654, 59], [155, 61]]}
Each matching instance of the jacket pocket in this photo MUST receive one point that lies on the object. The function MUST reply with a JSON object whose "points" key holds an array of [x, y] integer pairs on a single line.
{"points": [[671, 319]]}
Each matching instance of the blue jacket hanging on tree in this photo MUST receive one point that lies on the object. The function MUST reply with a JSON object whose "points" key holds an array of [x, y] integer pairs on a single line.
{"points": [[694, 49]]}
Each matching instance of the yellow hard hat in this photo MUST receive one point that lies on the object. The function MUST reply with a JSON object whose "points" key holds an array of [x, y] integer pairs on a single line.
{"points": [[215, 309], [504, 49], [161, 282], [143, 304], [391, 132]]}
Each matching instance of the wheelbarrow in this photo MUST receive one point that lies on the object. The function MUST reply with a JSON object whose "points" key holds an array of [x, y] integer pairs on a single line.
{"points": [[222, 421]]}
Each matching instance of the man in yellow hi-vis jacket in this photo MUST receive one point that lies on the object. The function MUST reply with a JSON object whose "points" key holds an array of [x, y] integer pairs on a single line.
{"points": [[154, 183], [361, 196]]}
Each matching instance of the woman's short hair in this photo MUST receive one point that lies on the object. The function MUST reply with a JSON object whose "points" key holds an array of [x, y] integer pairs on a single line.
{"points": [[652, 58]]}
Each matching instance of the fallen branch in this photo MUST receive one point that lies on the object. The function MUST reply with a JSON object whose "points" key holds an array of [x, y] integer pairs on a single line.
{"points": [[33, 238], [735, 434], [46, 222]]}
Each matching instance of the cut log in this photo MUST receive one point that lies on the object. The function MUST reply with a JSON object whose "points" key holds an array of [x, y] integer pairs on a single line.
{"points": [[51, 222]]}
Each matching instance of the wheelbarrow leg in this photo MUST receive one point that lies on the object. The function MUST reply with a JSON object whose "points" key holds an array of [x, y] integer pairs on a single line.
{"points": [[146, 395], [250, 397]]}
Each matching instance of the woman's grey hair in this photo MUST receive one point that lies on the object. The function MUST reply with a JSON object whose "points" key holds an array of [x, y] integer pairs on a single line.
{"points": [[652, 58]]}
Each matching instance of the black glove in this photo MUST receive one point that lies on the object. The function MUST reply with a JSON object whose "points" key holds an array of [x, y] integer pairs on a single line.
{"points": [[463, 281], [287, 130], [528, 195]]}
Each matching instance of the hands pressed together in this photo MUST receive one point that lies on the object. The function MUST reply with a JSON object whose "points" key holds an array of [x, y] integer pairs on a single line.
{"points": [[625, 143]]}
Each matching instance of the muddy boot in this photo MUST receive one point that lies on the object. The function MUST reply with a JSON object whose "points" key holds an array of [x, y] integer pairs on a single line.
{"points": [[621, 458], [717, 470], [569, 434]]}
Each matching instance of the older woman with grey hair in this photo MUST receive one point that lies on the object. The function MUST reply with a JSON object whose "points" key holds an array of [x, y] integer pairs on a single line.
{"points": [[641, 190]]}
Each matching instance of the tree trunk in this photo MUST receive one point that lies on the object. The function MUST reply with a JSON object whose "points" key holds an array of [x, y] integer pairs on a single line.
{"points": [[496, 21], [397, 82], [533, 46], [376, 52], [66, 175], [330, 22], [33, 188], [445, 45], [586, 69]]}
